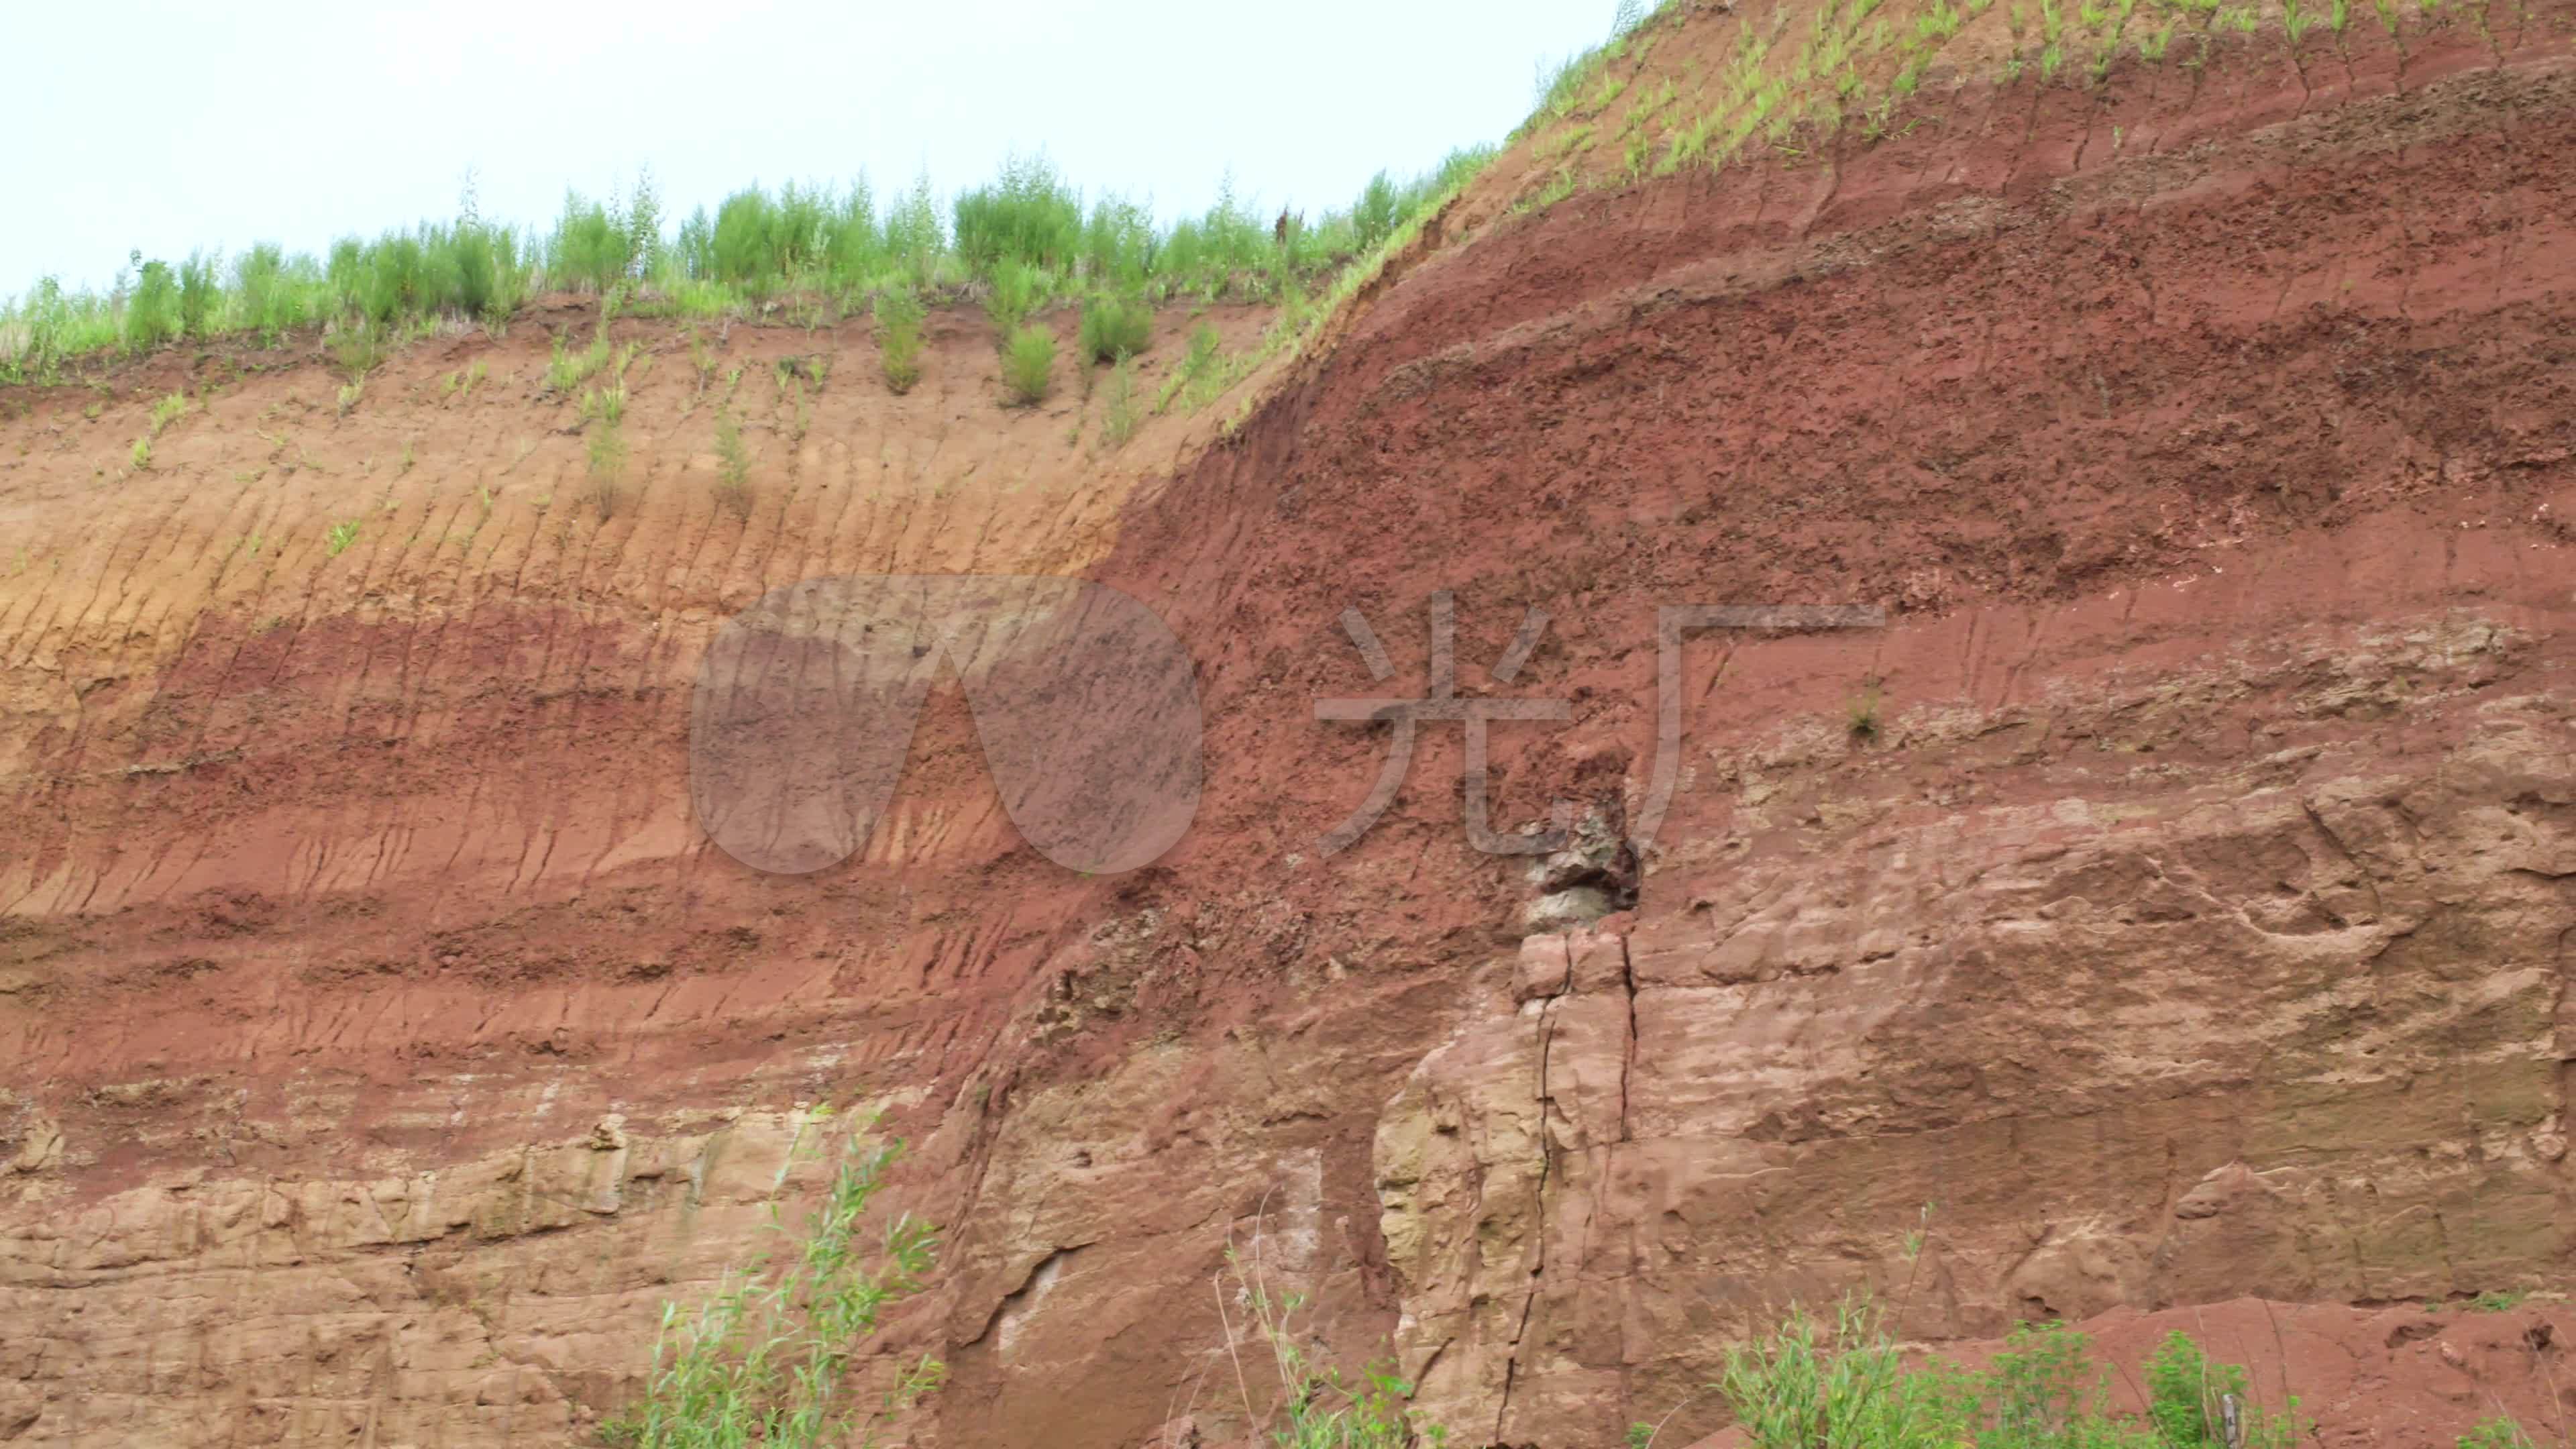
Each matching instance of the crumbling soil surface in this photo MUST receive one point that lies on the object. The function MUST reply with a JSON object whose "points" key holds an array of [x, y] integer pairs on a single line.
{"points": [[2156, 923]]}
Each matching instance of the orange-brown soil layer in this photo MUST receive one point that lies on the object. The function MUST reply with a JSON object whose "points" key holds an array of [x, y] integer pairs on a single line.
{"points": [[2181, 931]]}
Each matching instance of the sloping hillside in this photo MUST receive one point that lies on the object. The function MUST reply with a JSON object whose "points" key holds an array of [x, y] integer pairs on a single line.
{"points": [[2157, 921]]}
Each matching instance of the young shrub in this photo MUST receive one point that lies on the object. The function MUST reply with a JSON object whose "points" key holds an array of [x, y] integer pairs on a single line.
{"points": [[607, 453], [1028, 364], [1861, 717], [1017, 291], [1118, 404], [590, 250], [608, 404], [1027, 215], [1204, 345], [1376, 213], [733, 466], [913, 235], [1115, 327], [152, 313], [898, 317], [1807, 1384], [199, 293], [852, 248], [272, 298], [358, 348], [742, 247], [2186, 1397], [1318, 1407], [2043, 1386], [568, 369], [1118, 244], [764, 1360]]}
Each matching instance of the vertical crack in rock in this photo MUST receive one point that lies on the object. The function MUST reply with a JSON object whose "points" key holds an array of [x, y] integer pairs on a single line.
{"points": [[1546, 1176], [1628, 1058]]}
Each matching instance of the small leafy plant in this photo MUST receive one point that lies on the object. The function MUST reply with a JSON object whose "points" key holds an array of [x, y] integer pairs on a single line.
{"points": [[1118, 404], [607, 404], [1028, 365], [898, 315], [607, 467], [762, 1362], [2496, 1433], [2189, 1398], [1114, 327], [733, 465], [1809, 1383], [1861, 717], [1318, 1407]]}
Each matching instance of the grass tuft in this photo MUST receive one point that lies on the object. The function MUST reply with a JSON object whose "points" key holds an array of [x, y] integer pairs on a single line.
{"points": [[607, 450], [898, 315], [1115, 327], [606, 404], [567, 369], [1118, 416], [1861, 717], [1022, 239], [1028, 365], [1808, 1382], [1017, 290], [733, 465]]}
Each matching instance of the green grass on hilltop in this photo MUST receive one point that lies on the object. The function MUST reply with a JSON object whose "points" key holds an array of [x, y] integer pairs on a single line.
{"points": [[1027, 234]]}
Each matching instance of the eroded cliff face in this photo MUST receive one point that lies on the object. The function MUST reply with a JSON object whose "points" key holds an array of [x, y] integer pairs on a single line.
{"points": [[2164, 907], [2179, 1031]]}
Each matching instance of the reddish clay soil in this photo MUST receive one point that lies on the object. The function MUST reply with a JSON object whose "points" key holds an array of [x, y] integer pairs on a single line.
{"points": [[2180, 943]]}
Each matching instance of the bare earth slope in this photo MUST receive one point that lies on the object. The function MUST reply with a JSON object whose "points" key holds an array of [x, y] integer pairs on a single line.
{"points": [[2182, 943]]}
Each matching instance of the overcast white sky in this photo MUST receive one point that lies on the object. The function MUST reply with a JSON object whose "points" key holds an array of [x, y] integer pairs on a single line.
{"points": [[168, 127]]}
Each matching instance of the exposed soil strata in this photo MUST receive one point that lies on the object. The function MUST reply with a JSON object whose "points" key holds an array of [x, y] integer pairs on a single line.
{"points": [[382, 1042]]}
